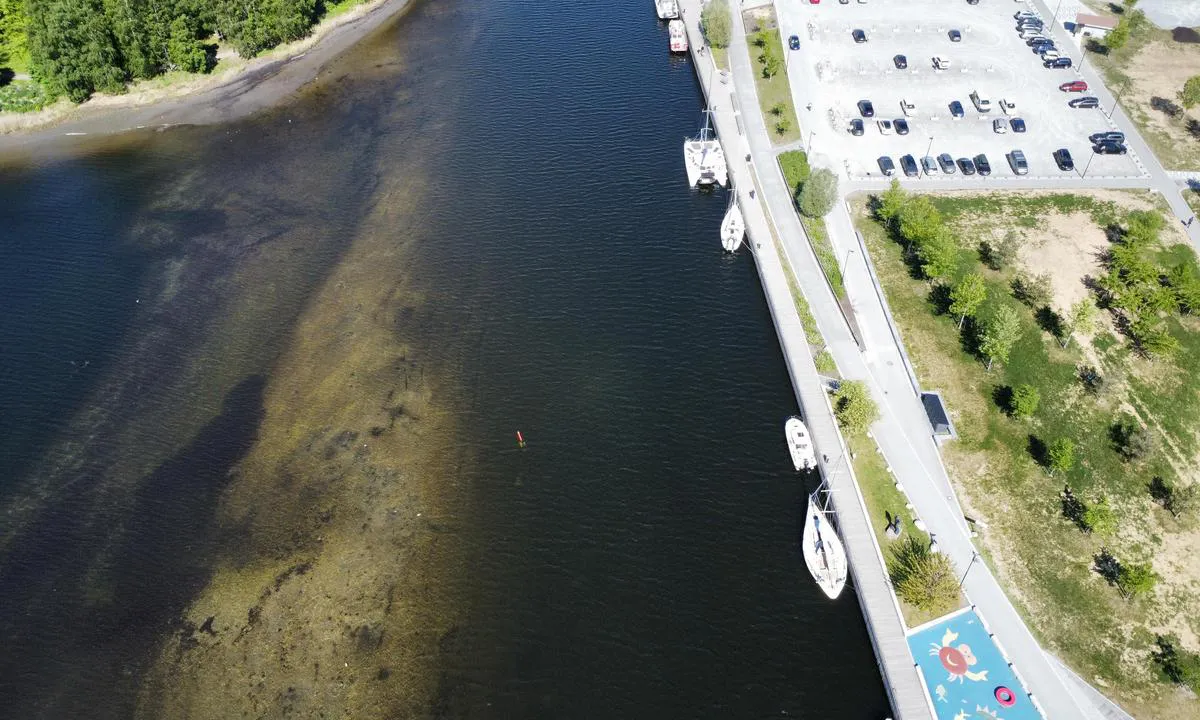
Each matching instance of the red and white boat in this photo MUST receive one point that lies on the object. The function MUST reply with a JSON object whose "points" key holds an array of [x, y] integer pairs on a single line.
{"points": [[678, 35]]}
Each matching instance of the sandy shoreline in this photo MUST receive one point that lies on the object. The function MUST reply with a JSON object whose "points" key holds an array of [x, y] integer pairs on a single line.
{"points": [[259, 84]]}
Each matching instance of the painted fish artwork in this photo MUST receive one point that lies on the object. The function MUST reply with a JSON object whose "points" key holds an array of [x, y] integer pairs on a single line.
{"points": [[965, 673]]}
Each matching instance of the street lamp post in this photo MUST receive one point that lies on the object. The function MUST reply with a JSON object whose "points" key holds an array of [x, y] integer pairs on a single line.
{"points": [[1089, 164], [1117, 99], [809, 143], [1055, 18], [928, 149], [974, 557], [846, 259]]}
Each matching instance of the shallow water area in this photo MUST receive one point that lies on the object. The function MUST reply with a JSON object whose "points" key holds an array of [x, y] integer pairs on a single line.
{"points": [[262, 383]]}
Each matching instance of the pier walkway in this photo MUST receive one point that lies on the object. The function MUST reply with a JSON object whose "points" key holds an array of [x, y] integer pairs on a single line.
{"points": [[742, 136]]}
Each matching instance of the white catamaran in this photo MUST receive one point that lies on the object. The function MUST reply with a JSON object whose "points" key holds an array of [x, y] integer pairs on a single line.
{"points": [[704, 158], [823, 551], [733, 227], [667, 9], [800, 445]]}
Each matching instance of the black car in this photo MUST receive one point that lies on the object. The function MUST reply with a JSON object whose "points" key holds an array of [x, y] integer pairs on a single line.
{"points": [[794, 42], [859, 36], [1109, 148], [1062, 157], [887, 166], [982, 165], [956, 109], [946, 163], [901, 62], [866, 109], [1038, 40], [967, 166], [1085, 102], [901, 126], [1058, 63], [1113, 136], [955, 36], [856, 127], [909, 165]]}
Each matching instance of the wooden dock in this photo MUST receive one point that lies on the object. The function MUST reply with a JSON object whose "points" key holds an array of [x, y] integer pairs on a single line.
{"points": [[868, 573]]}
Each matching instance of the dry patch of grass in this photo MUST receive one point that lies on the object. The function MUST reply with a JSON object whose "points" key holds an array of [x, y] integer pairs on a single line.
{"points": [[1045, 562]]}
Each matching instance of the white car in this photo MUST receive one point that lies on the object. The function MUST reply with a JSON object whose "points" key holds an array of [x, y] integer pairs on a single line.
{"points": [[885, 127], [941, 63], [909, 109], [999, 126], [1008, 107]]}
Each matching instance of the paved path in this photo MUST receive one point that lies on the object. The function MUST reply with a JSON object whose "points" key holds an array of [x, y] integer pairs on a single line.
{"points": [[744, 136]]}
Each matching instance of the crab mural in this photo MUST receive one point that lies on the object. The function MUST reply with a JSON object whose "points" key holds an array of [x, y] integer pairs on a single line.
{"points": [[956, 660]]}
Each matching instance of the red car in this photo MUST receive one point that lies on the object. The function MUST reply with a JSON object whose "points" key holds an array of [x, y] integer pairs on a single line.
{"points": [[1076, 86]]}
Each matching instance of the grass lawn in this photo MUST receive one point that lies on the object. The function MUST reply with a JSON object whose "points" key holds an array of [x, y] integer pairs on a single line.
{"points": [[774, 94], [720, 56], [794, 164], [1042, 558]]}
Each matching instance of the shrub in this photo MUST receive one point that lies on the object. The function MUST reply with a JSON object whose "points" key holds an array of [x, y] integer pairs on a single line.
{"points": [[1033, 290], [1176, 663], [1136, 579], [22, 97], [1100, 518], [998, 254], [715, 23], [819, 193], [1060, 456], [854, 407], [922, 578], [1190, 95], [1024, 401], [1130, 439]]}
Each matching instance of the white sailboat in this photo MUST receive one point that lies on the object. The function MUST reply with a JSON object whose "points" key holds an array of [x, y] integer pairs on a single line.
{"points": [[667, 9], [823, 551], [704, 158], [677, 35], [800, 445], [733, 227]]}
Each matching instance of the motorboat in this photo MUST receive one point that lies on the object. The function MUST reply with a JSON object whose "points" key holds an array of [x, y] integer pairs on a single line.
{"points": [[823, 551], [677, 35], [667, 9], [800, 445], [733, 227], [704, 158]]}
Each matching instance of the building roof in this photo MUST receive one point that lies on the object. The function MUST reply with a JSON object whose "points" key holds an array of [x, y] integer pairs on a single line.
{"points": [[1097, 21]]}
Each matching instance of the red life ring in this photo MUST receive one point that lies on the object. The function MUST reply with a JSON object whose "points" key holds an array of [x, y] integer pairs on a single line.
{"points": [[1005, 697]]}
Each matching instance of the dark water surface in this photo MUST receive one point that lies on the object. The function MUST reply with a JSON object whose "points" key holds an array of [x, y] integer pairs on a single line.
{"points": [[638, 559]]}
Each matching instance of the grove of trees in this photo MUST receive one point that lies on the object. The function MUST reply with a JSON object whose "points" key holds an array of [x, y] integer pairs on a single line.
{"points": [[77, 47]]}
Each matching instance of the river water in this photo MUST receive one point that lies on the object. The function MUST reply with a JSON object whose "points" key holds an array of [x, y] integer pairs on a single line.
{"points": [[261, 383]]}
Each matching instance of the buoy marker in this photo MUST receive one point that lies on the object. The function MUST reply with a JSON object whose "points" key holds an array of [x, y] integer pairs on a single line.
{"points": [[520, 440]]}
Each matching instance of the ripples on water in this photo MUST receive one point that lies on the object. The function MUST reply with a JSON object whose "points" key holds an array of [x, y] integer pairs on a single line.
{"points": [[638, 559]]}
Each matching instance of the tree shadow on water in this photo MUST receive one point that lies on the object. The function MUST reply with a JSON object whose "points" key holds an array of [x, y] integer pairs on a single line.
{"points": [[93, 583]]}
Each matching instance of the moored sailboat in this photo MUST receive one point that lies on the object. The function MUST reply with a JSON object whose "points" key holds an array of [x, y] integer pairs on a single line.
{"points": [[733, 226], [823, 551]]}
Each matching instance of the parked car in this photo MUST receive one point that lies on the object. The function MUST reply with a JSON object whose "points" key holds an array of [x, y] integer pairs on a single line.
{"points": [[859, 36], [1085, 102], [1074, 86], [901, 126], [885, 127], [887, 166], [901, 62], [1017, 125], [1025, 14], [1061, 63], [929, 164], [866, 109], [1049, 54], [956, 109], [794, 42], [1115, 136], [1110, 148], [1018, 163], [1036, 40], [1062, 158], [982, 165], [1008, 107], [1000, 126], [941, 63], [947, 163], [972, 2], [909, 165], [856, 127], [909, 109], [967, 166], [955, 36]]}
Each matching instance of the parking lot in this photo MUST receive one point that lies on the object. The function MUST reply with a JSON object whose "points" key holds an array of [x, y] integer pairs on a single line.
{"points": [[834, 73]]}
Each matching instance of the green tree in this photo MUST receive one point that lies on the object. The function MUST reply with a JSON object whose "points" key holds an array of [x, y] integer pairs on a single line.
{"points": [[819, 193], [922, 578], [1118, 37], [72, 49], [966, 296], [184, 51], [1130, 439], [889, 203], [1000, 333], [1136, 579], [1176, 663], [770, 60], [1100, 518], [938, 255], [1034, 290], [1061, 455], [1025, 400], [854, 407], [715, 23], [918, 220], [1190, 95], [998, 254], [1080, 319]]}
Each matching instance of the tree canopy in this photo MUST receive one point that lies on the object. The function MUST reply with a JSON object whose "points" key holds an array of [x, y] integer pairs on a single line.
{"points": [[1190, 95], [1000, 333], [967, 295], [818, 193], [853, 406], [714, 21]]}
